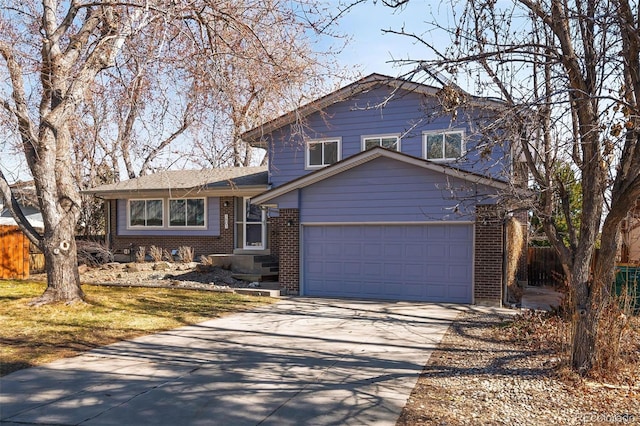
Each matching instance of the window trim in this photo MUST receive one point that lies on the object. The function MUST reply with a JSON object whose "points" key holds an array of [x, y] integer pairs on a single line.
{"points": [[381, 136], [309, 142], [130, 226], [187, 227], [443, 133]]}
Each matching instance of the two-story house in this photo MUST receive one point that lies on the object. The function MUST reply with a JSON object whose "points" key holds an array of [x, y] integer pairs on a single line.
{"points": [[383, 189], [388, 189]]}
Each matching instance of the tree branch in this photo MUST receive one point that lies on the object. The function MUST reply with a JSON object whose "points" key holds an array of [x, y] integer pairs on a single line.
{"points": [[16, 211]]}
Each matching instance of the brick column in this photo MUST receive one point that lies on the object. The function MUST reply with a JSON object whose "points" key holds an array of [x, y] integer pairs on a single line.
{"points": [[489, 255], [289, 250], [224, 243]]}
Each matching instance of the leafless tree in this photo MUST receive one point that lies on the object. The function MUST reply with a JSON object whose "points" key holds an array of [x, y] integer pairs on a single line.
{"points": [[571, 70], [116, 83]]}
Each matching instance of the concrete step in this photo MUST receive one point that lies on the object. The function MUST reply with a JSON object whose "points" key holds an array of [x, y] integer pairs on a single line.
{"points": [[256, 277], [265, 292]]}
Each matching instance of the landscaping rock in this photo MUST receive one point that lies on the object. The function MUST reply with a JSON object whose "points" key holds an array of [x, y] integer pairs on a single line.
{"points": [[132, 267], [162, 266]]}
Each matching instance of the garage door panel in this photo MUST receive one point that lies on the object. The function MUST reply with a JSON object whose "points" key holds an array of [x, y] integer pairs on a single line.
{"points": [[314, 252], [414, 251], [414, 290], [437, 291], [413, 271], [458, 273], [371, 269], [393, 251], [352, 268], [372, 232], [392, 270], [314, 268], [458, 233], [403, 262], [457, 291], [437, 233], [352, 249], [438, 253], [352, 233], [373, 251], [437, 272]]}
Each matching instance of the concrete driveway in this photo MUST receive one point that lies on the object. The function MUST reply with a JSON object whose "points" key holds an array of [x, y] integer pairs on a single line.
{"points": [[299, 361]]}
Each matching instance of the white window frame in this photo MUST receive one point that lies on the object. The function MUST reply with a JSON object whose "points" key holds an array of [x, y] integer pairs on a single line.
{"points": [[185, 226], [321, 141], [443, 133], [130, 226], [364, 138], [246, 201]]}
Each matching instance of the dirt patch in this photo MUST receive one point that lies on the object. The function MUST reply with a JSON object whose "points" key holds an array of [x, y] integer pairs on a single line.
{"points": [[492, 370]]}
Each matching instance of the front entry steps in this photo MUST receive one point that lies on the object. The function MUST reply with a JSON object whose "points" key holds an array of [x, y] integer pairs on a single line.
{"points": [[248, 267]]}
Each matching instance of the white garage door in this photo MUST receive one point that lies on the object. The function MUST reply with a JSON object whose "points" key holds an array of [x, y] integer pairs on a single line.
{"points": [[397, 262]]}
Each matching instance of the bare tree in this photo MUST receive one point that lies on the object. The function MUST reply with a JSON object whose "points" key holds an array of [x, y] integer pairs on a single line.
{"points": [[247, 90], [70, 67], [571, 70]]}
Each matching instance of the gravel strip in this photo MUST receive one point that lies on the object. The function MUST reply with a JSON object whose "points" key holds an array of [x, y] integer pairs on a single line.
{"points": [[479, 376]]}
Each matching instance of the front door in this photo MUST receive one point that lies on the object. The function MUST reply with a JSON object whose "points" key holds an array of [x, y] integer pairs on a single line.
{"points": [[253, 223]]}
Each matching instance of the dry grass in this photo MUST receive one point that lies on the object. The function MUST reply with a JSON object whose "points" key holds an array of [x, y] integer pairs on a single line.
{"points": [[32, 336], [185, 254], [156, 253], [550, 333]]}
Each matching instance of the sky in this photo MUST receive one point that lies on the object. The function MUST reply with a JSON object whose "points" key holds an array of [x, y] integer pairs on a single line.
{"points": [[372, 49]]}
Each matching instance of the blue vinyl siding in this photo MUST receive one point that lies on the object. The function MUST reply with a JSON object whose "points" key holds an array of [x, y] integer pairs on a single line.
{"points": [[212, 226], [409, 114], [384, 190]]}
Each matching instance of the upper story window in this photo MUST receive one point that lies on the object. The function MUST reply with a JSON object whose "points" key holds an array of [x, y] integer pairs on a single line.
{"points": [[385, 141], [146, 213], [321, 153], [443, 145], [187, 212]]}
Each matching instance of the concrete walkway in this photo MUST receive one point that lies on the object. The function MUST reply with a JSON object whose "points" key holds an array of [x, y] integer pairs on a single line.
{"points": [[541, 298], [299, 361]]}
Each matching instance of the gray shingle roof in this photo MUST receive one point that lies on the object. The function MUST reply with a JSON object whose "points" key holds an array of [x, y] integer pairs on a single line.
{"points": [[188, 180]]}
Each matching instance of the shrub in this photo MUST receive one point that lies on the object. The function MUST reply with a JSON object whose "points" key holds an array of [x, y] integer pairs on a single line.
{"points": [[166, 255], [185, 254], [93, 253], [156, 253], [141, 254]]}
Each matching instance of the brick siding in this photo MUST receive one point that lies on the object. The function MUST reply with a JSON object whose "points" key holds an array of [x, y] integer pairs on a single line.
{"points": [[489, 255]]}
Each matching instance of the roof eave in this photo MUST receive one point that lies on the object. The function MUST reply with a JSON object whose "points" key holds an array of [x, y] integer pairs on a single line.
{"points": [[242, 191], [255, 135]]}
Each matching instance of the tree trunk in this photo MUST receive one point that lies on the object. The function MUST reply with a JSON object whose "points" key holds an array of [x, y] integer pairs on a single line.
{"points": [[60, 207], [61, 263], [584, 319], [594, 304]]}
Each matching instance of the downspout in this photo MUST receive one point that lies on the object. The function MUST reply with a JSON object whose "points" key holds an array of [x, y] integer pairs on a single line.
{"points": [[300, 246]]}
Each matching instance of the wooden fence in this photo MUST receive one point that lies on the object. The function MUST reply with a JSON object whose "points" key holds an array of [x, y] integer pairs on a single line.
{"points": [[543, 266], [14, 253]]}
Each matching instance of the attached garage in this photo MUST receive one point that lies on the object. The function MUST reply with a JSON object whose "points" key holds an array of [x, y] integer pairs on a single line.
{"points": [[418, 262], [385, 225]]}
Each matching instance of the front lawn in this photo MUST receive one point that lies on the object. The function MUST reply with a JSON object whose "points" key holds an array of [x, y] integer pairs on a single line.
{"points": [[32, 336]]}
